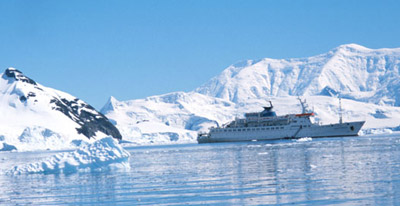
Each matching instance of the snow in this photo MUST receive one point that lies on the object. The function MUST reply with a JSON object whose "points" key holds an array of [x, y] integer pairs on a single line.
{"points": [[102, 154]]}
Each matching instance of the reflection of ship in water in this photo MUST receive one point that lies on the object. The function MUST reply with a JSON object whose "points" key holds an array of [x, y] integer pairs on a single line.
{"points": [[266, 125]]}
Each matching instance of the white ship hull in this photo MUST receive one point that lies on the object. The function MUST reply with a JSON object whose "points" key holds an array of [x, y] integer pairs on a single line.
{"points": [[261, 133]]}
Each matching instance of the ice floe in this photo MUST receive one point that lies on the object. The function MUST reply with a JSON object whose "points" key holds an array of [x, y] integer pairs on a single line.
{"points": [[102, 154]]}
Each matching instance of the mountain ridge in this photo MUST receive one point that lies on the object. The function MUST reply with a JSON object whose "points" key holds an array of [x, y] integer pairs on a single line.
{"points": [[348, 69]]}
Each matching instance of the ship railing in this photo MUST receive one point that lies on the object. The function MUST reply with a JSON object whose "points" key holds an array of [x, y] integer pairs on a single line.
{"points": [[267, 119]]}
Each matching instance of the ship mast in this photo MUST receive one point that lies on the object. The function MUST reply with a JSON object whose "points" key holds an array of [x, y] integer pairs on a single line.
{"points": [[340, 110], [303, 105]]}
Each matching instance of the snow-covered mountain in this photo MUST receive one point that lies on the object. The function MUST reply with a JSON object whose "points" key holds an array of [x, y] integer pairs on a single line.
{"points": [[168, 118], [33, 116], [359, 73], [368, 79]]}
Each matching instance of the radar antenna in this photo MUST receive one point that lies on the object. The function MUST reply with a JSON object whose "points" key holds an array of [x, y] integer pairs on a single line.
{"points": [[270, 106]]}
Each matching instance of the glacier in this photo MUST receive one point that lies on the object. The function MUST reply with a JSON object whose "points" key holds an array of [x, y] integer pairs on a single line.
{"points": [[367, 80]]}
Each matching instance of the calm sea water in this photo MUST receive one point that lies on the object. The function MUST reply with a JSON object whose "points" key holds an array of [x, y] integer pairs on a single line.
{"points": [[338, 171]]}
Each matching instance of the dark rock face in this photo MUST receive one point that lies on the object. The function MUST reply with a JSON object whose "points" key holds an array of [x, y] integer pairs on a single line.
{"points": [[17, 75], [87, 117], [22, 98]]}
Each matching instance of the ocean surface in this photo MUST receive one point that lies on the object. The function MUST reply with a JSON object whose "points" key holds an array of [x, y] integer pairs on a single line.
{"points": [[337, 171]]}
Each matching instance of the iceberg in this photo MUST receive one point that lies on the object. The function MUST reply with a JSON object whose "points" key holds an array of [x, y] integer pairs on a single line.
{"points": [[100, 155]]}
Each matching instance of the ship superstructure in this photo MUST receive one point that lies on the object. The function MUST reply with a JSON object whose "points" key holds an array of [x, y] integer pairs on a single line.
{"points": [[266, 125]]}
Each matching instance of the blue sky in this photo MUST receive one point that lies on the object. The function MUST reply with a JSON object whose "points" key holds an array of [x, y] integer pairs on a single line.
{"points": [[134, 49]]}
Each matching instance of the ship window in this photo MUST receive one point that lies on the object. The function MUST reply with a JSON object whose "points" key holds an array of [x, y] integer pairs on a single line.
{"points": [[267, 128], [272, 128], [281, 127], [258, 129], [239, 130]]}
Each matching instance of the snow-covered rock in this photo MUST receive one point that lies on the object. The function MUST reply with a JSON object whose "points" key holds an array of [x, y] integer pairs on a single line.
{"points": [[102, 154], [37, 117]]}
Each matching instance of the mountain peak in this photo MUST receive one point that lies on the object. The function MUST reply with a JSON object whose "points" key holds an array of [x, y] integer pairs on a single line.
{"points": [[17, 75], [351, 48], [110, 105], [112, 99]]}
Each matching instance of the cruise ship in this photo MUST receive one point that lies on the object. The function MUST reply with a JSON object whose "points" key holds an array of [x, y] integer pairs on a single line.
{"points": [[266, 125]]}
